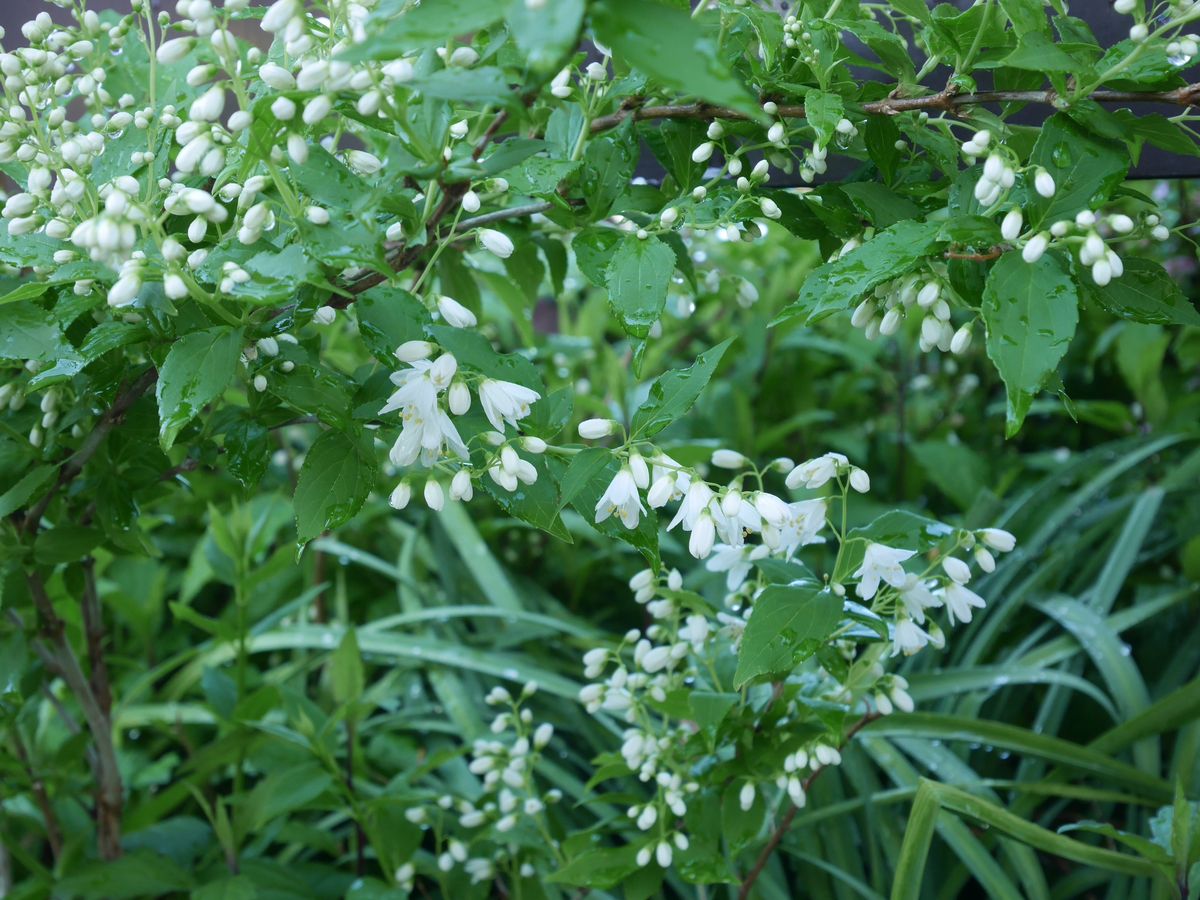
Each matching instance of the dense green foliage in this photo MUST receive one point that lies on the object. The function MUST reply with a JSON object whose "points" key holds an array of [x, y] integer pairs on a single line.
{"points": [[264, 295]]}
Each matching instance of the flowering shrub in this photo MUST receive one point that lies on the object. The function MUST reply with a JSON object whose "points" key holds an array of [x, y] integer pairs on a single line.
{"points": [[407, 243]]}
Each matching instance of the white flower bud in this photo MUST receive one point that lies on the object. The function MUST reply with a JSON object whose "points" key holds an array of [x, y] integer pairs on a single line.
{"points": [[998, 539], [1010, 227], [496, 242], [1043, 183], [454, 313], [593, 429], [1035, 247], [704, 152]]}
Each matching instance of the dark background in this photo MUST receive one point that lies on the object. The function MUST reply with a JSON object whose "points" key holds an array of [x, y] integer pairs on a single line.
{"points": [[1109, 27]]}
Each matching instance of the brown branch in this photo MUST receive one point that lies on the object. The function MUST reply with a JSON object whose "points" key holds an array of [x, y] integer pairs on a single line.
{"points": [[53, 829], [944, 101], [93, 626], [56, 650], [73, 466], [994, 253], [786, 822]]}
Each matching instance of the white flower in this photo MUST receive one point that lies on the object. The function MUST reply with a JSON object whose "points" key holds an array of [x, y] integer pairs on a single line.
{"points": [[454, 313], [770, 208], [734, 561], [746, 796], [881, 563], [560, 86], [959, 600], [917, 597], [621, 497], [860, 480], [504, 401], [704, 535], [699, 495], [496, 242], [324, 315], [174, 50], [816, 472], [907, 638], [400, 495]]}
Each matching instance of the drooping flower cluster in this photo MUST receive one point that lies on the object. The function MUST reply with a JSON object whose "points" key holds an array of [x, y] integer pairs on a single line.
{"points": [[690, 642], [472, 833], [432, 390]]}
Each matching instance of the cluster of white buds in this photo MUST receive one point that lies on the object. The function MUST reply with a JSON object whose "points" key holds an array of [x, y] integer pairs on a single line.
{"points": [[927, 297], [263, 356], [1089, 232], [473, 833]]}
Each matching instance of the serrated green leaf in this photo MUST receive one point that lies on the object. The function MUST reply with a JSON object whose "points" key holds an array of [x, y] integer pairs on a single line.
{"points": [[673, 48], [838, 285], [1030, 310], [196, 371], [337, 475], [786, 627], [1145, 293], [637, 279], [674, 393]]}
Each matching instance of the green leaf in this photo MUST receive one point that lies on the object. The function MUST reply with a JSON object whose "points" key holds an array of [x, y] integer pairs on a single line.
{"points": [[637, 278], [484, 84], [387, 317], [839, 284], [28, 332], [473, 352], [1030, 310], [547, 33], [673, 394], [594, 249], [141, 873], [248, 448], [29, 486], [197, 369], [957, 470], [1036, 52], [602, 868], [432, 22], [823, 111], [66, 543], [346, 670], [675, 49], [1086, 169], [786, 627], [337, 475], [1144, 293], [284, 791]]}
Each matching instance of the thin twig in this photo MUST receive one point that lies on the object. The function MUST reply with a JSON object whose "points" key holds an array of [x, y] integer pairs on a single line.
{"points": [[59, 654], [945, 101], [53, 830], [786, 822]]}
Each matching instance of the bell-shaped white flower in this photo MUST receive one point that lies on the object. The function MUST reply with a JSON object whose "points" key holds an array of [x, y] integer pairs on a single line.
{"points": [[621, 497], [881, 563], [505, 402]]}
